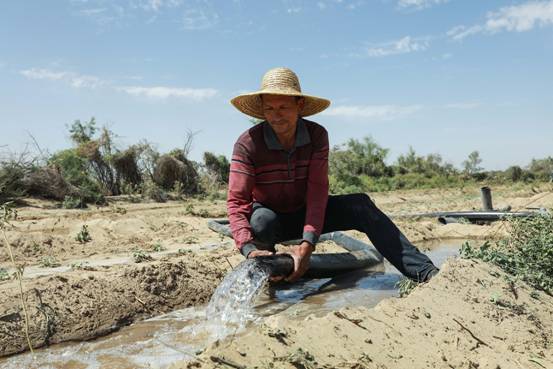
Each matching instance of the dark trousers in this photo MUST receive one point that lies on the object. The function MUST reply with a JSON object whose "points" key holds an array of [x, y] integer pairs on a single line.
{"points": [[346, 212]]}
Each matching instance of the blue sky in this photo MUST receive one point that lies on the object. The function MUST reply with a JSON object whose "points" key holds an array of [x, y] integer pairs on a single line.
{"points": [[442, 76]]}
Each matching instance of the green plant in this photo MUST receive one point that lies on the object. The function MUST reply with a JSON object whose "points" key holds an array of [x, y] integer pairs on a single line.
{"points": [[140, 255], [79, 265], [495, 298], [300, 359], [49, 262], [4, 275], [471, 165], [527, 253], [119, 210], [72, 202], [157, 247], [218, 166], [11, 180], [154, 192], [406, 286], [202, 213], [75, 170], [190, 240], [84, 235]]}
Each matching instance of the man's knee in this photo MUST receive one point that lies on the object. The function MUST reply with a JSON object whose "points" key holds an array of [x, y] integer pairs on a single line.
{"points": [[264, 223], [363, 206]]}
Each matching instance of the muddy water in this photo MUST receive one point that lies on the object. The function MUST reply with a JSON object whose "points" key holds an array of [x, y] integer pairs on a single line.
{"points": [[178, 336]]}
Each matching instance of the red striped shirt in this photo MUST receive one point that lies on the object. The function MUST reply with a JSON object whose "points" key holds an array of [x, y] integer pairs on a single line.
{"points": [[284, 181]]}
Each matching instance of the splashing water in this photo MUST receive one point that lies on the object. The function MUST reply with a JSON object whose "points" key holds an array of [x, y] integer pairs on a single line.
{"points": [[176, 336], [231, 306]]}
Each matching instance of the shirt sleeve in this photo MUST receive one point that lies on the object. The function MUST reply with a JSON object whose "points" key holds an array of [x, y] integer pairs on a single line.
{"points": [[239, 199], [317, 188]]}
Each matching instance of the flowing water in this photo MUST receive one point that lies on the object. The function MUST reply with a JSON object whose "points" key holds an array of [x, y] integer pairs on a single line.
{"points": [[232, 303], [238, 301]]}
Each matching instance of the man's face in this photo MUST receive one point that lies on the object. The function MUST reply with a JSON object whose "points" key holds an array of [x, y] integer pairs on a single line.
{"points": [[282, 112]]}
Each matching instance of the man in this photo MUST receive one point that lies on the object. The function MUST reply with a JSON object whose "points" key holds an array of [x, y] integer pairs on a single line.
{"points": [[278, 186]]}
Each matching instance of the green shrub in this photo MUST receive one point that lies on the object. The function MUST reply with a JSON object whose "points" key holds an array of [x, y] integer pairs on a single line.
{"points": [[153, 191], [526, 254], [542, 168], [84, 235], [72, 202], [405, 286], [514, 173], [74, 170], [11, 180], [4, 275], [430, 165], [356, 158], [140, 256], [218, 166], [49, 262]]}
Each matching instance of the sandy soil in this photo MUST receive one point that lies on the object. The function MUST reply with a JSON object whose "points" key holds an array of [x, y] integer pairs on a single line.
{"points": [[469, 316], [77, 291]]}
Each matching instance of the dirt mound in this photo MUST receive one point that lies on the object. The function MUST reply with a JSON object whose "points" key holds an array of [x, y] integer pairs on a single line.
{"points": [[86, 304], [466, 317]]}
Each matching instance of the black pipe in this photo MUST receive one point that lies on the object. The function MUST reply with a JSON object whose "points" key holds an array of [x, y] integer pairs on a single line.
{"points": [[486, 195], [471, 216], [281, 265], [320, 265], [481, 216], [359, 256]]}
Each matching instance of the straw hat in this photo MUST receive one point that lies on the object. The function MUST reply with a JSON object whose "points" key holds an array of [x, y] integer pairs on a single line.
{"points": [[278, 81]]}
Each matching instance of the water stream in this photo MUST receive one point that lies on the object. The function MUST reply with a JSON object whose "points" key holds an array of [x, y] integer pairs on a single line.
{"points": [[238, 301]]}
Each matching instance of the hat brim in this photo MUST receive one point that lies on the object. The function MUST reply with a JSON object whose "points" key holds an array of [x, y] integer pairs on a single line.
{"points": [[251, 104]]}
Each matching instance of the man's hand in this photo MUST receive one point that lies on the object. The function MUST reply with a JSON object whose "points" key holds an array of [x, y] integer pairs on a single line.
{"points": [[255, 253], [301, 255]]}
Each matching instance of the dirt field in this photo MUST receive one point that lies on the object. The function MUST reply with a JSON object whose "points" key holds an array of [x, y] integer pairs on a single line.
{"points": [[469, 316], [81, 290]]}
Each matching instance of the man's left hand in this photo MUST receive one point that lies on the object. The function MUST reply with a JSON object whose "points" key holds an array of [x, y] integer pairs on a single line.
{"points": [[301, 255]]}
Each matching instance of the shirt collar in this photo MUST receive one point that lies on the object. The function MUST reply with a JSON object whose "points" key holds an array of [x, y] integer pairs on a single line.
{"points": [[272, 142]]}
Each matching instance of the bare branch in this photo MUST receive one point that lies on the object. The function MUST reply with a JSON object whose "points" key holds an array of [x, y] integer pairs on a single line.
{"points": [[188, 141]]}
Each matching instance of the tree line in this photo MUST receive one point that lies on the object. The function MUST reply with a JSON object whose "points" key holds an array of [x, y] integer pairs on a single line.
{"points": [[96, 167]]}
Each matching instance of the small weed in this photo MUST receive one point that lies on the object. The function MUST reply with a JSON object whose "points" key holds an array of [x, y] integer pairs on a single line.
{"points": [[190, 240], [405, 286], [190, 210], [135, 199], [72, 202], [140, 255], [4, 275], [154, 192], [119, 210], [301, 359], [158, 247], [183, 251], [79, 266], [495, 298], [84, 235], [49, 262]]}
